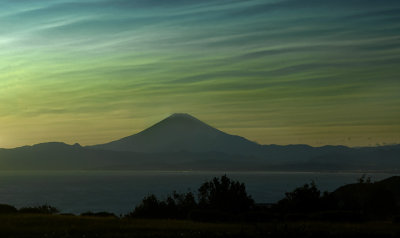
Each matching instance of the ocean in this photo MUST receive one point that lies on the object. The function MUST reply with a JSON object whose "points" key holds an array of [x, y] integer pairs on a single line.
{"points": [[120, 191]]}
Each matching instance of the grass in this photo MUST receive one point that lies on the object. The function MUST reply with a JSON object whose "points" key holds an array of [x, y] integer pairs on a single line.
{"points": [[33, 225]]}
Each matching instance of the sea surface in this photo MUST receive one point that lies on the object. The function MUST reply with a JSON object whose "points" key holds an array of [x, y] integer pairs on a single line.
{"points": [[120, 191]]}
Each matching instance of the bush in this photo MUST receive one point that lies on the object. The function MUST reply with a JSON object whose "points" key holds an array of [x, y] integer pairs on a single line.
{"points": [[210, 215], [7, 209], [98, 214], [338, 216], [396, 219], [259, 216], [44, 209]]}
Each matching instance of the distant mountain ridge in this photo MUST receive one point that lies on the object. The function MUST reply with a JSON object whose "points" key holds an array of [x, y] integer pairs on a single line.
{"points": [[182, 142]]}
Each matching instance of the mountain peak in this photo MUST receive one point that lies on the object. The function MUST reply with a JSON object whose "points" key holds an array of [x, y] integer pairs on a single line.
{"points": [[178, 123], [182, 116], [181, 132]]}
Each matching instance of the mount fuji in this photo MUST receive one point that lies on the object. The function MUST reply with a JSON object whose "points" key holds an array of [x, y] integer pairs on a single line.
{"points": [[182, 142], [183, 132]]}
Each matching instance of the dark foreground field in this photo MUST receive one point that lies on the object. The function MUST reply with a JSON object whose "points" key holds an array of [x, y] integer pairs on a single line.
{"points": [[31, 225]]}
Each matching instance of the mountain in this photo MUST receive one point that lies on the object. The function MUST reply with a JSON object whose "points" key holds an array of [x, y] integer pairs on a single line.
{"points": [[56, 156], [61, 156], [182, 142], [182, 132]]}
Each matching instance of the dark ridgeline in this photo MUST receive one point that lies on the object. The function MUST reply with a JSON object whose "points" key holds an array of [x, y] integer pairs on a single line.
{"points": [[182, 142], [43, 209], [360, 201]]}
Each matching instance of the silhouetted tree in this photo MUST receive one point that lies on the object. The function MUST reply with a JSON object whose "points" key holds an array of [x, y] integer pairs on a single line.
{"points": [[221, 194], [303, 199], [177, 205], [149, 207], [184, 203], [364, 179], [224, 194]]}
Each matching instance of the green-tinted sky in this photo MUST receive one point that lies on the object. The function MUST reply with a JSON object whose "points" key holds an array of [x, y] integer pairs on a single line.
{"points": [[275, 71]]}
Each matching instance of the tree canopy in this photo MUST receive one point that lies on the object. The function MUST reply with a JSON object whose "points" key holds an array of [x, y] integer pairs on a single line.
{"points": [[224, 194]]}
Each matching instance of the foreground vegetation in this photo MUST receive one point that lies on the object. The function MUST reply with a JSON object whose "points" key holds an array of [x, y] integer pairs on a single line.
{"points": [[224, 209], [223, 199], [37, 225]]}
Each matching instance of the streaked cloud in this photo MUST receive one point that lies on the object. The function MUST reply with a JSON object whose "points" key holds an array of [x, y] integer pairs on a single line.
{"points": [[275, 65]]}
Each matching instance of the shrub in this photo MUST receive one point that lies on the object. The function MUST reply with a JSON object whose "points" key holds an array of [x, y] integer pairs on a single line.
{"points": [[259, 216], [98, 214], [44, 209], [210, 215], [6, 209], [338, 216]]}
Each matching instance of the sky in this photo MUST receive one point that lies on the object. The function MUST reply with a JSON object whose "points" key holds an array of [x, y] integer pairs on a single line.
{"points": [[283, 72]]}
